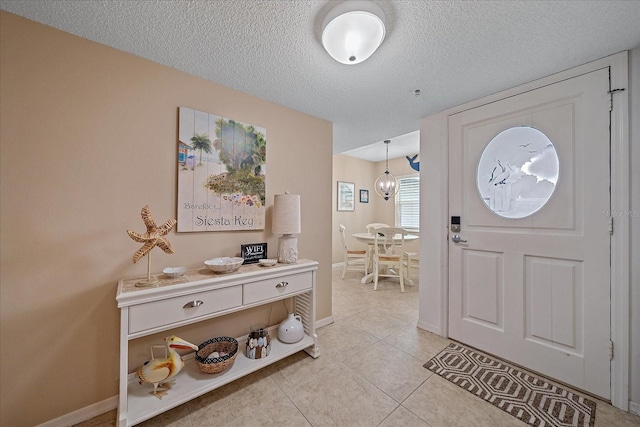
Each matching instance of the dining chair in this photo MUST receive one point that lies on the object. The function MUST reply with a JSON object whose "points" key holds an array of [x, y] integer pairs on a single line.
{"points": [[354, 260], [370, 228], [388, 254], [374, 225], [411, 263]]}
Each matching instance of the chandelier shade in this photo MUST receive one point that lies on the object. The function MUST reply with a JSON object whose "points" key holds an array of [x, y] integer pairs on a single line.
{"points": [[353, 30], [386, 186]]}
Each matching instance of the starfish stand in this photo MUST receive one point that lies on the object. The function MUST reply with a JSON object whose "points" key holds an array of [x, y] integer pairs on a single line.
{"points": [[149, 281], [155, 236]]}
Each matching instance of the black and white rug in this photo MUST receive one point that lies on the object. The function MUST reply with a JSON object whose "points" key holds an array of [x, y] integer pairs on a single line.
{"points": [[531, 399]]}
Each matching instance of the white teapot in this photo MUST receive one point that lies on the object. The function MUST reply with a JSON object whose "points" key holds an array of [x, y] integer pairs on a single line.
{"points": [[291, 329]]}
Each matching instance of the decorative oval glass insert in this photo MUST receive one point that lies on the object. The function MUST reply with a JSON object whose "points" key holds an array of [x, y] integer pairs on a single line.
{"points": [[517, 172]]}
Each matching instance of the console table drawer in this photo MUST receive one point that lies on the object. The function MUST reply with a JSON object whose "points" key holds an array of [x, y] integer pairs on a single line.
{"points": [[172, 310], [272, 288]]}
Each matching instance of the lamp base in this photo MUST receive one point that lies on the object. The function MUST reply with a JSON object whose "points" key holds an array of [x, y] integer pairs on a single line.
{"points": [[288, 249]]}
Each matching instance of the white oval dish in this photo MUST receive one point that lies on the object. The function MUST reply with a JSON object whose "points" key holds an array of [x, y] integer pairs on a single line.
{"points": [[268, 262], [224, 264], [173, 272]]}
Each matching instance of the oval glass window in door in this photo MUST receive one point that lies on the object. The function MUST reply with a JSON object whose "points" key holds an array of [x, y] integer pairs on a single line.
{"points": [[517, 172]]}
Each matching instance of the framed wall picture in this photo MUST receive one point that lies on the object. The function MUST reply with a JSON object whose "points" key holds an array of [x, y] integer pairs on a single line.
{"points": [[364, 196], [221, 173], [346, 196]]}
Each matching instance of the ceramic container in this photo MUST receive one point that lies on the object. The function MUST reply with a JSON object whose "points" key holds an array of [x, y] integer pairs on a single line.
{"points": [[224, 264], [173, 272], [291, 329]]}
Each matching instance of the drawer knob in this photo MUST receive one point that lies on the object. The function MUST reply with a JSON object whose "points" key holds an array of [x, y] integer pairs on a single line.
{"points": [[193, 304], [282, 285]]}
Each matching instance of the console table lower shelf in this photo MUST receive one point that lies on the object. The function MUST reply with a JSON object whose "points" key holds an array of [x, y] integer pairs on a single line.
{"points": [[191, 382]]}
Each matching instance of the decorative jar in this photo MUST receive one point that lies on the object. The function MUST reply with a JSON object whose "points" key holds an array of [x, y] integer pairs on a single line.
{"points": [[258, 342], [291, 329]]}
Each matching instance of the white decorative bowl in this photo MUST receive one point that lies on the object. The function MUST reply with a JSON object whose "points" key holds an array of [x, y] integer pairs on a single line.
{"points": [[173, 272], [224, 264], [268, 262]]}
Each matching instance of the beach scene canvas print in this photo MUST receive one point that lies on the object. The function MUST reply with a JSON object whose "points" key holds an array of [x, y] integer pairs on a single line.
{"points": [[221, 173]]}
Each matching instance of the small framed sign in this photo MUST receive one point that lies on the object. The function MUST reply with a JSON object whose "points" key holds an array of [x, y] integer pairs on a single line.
{"points": [[253, 252], [364, 196]]}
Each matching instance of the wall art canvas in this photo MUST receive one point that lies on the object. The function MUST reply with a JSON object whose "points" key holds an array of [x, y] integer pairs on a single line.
{"points": [[221, 173]]}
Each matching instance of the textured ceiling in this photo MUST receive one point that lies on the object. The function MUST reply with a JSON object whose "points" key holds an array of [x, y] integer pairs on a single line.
{"points": [[453, 51]]}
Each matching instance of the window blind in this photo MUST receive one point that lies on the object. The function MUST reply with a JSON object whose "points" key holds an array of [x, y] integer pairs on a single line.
{"points": [[408, 203]]}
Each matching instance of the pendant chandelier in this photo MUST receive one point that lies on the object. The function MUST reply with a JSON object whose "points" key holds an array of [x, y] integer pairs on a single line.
{"points": [[386, 185]]}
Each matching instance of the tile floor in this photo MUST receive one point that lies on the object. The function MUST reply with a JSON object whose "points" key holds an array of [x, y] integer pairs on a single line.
{"points": [[369, 374]]}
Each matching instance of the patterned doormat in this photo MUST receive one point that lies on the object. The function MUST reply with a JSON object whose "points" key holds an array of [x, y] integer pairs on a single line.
{"points": [[531, 399]]}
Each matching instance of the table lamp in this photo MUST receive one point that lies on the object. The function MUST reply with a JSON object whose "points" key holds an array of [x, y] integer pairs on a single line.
{"points": [[286, 221]]}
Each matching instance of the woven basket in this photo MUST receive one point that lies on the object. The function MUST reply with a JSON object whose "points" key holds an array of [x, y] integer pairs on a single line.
{"points": [[219, 364]]}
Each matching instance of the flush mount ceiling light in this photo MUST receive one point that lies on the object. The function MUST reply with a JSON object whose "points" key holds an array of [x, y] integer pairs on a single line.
{"points": [[353, 30]]}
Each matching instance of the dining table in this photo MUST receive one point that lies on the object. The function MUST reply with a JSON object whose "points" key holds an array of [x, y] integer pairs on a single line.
{"points": [[370, 238]]}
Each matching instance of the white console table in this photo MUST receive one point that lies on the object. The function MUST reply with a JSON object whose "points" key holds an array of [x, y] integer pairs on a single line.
{"points": [[165, 306]]}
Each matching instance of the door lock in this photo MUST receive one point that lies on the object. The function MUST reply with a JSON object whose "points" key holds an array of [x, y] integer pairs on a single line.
{"points": [[455, 224], [457, 239]]}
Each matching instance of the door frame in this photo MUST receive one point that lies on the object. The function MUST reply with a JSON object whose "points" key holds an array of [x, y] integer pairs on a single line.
{"points": [[434, 266]]}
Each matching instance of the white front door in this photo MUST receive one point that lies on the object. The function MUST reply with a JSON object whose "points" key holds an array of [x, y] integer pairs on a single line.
{"points": [[531, 284]]}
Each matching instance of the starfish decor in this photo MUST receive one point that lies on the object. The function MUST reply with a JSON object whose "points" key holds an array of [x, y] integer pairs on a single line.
{"points": [[155, 236]]}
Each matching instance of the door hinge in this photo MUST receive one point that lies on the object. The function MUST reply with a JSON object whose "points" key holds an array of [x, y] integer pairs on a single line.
{"points": [[610, 350], [611, 226], [611, 92]]}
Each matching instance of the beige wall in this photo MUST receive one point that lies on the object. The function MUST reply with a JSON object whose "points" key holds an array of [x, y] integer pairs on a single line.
{"points": [[88, 137], [363, 174]]}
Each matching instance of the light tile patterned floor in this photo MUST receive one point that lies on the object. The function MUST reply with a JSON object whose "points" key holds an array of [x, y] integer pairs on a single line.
{"points": [[369, 374]]}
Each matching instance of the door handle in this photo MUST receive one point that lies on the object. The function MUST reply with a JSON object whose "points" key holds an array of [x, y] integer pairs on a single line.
{"points": [[457, 239]]}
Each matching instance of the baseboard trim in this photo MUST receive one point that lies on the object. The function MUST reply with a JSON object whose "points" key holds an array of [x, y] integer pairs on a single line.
{"points": [[429, 327], [83, 414], [634, 408], [324, 322]]}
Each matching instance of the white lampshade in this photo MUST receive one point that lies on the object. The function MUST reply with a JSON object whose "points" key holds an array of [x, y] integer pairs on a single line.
{"points": [[286, 221], [286, 214], [353, 30]]}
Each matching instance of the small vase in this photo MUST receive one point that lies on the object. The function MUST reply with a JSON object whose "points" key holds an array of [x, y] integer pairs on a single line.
{"points": [[291, 329]]}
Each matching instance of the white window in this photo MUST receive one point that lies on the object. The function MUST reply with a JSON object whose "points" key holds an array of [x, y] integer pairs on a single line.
{"points": [[408, 203], [517, 172]]}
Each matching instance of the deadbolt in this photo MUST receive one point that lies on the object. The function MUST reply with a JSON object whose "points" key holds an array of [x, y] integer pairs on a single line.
{"points": [[455, 224]]}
